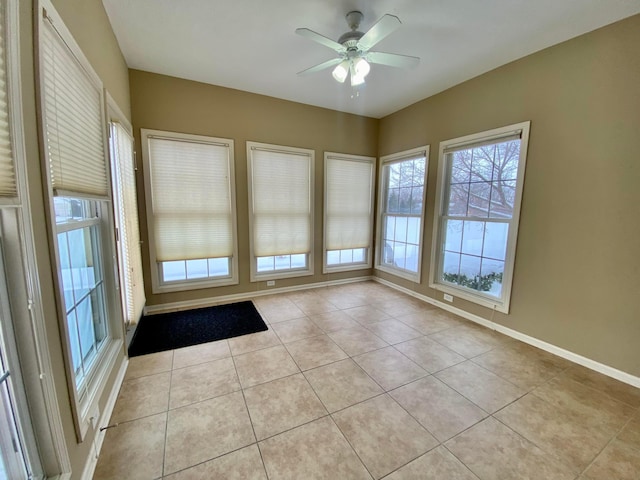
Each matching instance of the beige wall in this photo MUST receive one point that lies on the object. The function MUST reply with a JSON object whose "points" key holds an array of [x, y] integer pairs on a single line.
{"points": [[171, 104], [577, 270], [88, 23]]}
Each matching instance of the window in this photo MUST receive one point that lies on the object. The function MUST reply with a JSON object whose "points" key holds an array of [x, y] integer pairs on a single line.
{"points": [[76, 173], [280, 210], [191, 205], [78, 232], [479, 191], [19, 458], [126, 217], [403, 183], [348, 211]]}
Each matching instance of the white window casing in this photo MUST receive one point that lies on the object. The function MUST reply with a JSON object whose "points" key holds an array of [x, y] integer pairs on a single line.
{"points": [[191, 206], [478, 199], [348, 211], [280, 205]]}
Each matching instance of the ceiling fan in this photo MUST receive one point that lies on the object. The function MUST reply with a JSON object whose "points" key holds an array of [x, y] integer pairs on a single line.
{"points": [[354, 49]]}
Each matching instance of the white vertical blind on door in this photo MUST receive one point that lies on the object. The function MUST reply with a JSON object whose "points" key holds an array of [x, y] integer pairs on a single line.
{"points": [[74, 121], [122, 148], [191, 199], [281, 202], [7, 169], [348, 203]]}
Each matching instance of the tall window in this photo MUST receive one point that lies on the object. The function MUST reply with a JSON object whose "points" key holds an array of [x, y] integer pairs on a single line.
{"points": [[77, 177], [348, 211], [190, 194], [128, 239], [18, 452], [479, 192], [403, 183], [280, 210]]}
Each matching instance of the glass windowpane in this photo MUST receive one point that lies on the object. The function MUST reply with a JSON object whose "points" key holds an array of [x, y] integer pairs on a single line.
{"points": [[413, 230], [265, 264], [495, 240], [472, 237], [503, 196], [458, 199], [197, 268], [282, 262], [401, 229], [299, 261], [219, 267], [174, 271]]}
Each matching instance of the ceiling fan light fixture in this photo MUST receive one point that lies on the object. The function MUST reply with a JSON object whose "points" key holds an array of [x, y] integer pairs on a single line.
{"points": [[361, 67], [355, 78], [341, 71]]}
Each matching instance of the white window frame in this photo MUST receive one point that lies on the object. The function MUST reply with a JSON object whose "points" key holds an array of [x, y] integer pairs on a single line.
{"points": [[435, 273], [382, 187], [368, 260], [157, 284], [291, 273], [84, 403]]}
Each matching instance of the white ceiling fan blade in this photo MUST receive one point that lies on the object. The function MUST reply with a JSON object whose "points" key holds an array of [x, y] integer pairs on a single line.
{"points": [[321, 39], [321, 66], [393, 59], [382, 28]]}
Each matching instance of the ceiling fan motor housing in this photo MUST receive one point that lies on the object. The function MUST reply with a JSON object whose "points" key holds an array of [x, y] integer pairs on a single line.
{"points": [[350, 39]]}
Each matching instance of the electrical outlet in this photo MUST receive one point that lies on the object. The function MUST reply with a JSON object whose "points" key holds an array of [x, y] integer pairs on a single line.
{"points": [[448, 298], [271, 283]]}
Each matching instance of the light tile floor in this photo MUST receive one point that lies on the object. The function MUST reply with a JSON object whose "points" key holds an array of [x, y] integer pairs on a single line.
{"points": [[361, 381]]}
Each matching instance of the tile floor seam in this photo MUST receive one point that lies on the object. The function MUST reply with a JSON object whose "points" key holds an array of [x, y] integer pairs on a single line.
{"points": [[496, 374], [552, 453], [351, 445], [611, 440], [258, 349], [253, 429], [459, 459], [487, 414]]}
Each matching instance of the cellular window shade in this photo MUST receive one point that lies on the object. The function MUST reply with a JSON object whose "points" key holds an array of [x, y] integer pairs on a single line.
{"points": [[73, 118], [7, 169], [281, 193], [122, 145], [191, 199], [348, 204]]}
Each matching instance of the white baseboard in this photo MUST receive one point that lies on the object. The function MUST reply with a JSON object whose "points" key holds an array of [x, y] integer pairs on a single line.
{"points": [[98, 439], [548, 347], [238, 297]]}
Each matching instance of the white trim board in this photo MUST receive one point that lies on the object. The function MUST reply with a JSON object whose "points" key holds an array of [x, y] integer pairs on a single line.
{"points": [[236, 297], [548, 347], [98, 439]]}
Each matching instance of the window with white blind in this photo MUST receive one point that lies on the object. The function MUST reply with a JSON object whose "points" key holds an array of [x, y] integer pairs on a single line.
{"points": [[480, 182], [403, 185], [19, 456], [128, 238], [348, 211], [191, 210], [77, 177], [280, 210]]}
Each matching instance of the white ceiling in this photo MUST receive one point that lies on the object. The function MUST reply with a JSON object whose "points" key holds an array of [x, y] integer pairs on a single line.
{"points": [[251, 45]]}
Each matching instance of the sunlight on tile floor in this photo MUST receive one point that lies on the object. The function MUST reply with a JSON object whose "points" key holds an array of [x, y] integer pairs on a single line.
{"points": [[361, 381]]}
